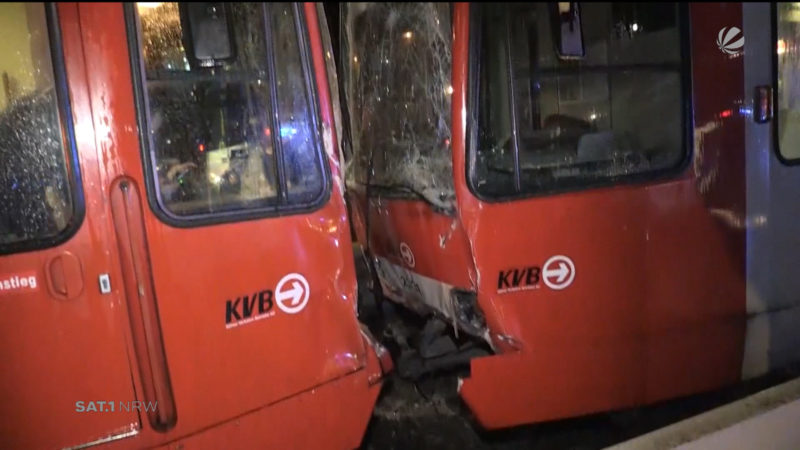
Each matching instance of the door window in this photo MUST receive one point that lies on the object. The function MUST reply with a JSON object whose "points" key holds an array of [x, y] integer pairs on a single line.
{"points": [[543, 123], [39, 197], [233, 131]]}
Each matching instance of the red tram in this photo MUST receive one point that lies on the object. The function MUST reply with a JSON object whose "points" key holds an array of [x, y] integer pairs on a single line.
{"points": [[175, 266], [599, 192]]}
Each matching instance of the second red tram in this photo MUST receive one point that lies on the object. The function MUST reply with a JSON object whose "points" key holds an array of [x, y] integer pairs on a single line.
{"points": [[598, 191]]}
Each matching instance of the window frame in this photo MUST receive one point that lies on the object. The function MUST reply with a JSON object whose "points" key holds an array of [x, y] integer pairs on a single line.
{"points": [[68, 145], [775, 97], [646, 177], [283, 205]]}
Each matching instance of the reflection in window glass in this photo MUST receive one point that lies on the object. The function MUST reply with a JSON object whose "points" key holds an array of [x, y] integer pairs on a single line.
{"points": [[35, 200], [788, 48], [214, 141], [303, 175], [546, 123]]}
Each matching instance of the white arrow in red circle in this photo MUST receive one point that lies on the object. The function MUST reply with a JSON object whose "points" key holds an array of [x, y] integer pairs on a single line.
{"points": [[293, 298], [407, 255], [558, 272]]}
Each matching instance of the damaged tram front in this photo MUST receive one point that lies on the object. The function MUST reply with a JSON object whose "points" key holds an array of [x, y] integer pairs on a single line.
{"points": [[565, 184]]}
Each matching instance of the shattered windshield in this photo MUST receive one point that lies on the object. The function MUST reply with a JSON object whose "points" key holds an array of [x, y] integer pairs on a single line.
{"points": [[397, 86]]}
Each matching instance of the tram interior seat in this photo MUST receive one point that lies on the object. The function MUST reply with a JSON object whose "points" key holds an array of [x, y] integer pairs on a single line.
{"points": [[578, 144]]}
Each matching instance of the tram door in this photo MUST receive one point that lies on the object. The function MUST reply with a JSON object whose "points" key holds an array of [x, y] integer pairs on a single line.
{"points": [[231, 243], [62, 326]]}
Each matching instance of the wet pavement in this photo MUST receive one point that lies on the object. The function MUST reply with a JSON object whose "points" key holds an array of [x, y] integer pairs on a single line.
{"points": [[428, 414]]}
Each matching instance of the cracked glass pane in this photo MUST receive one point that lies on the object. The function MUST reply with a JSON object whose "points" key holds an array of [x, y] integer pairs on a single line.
{"points": [[616, 112], [35, 200], [397, 84]]}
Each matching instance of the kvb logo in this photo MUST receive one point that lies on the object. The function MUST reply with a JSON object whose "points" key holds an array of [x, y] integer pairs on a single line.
{"points": [[730, 40], [518, 279], [293, 299], [407, 255], [291, 295], [243, 310], [557, 273]]}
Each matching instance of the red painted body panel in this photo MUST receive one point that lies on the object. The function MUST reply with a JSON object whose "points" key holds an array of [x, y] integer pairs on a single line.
{"points": [[59, 351], [324, 417], [438, 241], [256, 384]]}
